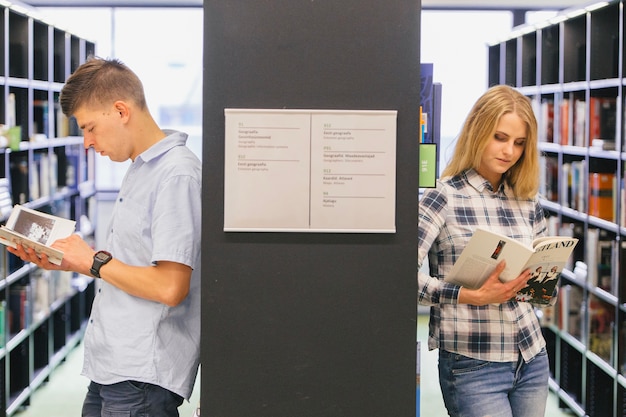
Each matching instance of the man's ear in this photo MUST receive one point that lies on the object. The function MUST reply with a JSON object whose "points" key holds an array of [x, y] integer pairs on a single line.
{"points": [[122, 109]]}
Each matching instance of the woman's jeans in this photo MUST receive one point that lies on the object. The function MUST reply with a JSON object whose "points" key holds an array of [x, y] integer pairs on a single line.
{"points": [[475, 388], [130, 399]]}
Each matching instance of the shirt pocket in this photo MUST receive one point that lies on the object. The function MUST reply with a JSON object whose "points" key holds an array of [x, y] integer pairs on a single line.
{"points": [[130, 228]]}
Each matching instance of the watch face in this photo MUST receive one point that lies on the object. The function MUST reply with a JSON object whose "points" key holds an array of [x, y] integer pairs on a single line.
{"points": [[102, 256]]}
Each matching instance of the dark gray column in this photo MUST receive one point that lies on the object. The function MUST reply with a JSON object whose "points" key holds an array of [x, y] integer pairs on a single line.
{"points": [[310, 324]]}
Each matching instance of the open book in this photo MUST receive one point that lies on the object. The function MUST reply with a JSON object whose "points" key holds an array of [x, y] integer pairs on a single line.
{"points": [[546, 259], [37, 230]]}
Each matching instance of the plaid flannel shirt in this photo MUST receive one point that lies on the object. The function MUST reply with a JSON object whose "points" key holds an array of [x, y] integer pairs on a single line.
{"points": [[448, 216]]}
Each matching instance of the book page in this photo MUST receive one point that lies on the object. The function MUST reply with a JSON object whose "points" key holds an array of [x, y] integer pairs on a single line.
{"points": [[37, 230], [481, 255], [38, 226]]}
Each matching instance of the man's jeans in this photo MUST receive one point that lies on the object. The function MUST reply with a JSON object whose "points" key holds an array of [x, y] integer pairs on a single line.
{"points": [[474, 388], [130, 399]]}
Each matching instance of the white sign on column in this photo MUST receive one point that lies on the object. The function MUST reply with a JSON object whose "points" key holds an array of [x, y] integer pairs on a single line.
{"points": [[353, 171], [310, 170], [266, 184]]}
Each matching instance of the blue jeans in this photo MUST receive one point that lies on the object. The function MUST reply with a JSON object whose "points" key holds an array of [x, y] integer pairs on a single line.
{"points": [[475, 388], [130, 399]]}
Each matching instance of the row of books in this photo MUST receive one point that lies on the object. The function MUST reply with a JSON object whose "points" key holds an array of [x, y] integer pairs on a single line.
{"points": [[599, 251], [41, 121], [565, 184], [43, 175], [577, 126], [591, 322], [582, 313], [31, 301]]}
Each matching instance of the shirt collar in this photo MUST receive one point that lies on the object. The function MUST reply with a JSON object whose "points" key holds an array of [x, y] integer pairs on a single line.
{"points": [[173, 139], [481, 184]]}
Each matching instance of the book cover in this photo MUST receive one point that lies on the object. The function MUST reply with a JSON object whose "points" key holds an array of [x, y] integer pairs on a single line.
{"points": [[428, 165], [37, 230], [546, 258]]}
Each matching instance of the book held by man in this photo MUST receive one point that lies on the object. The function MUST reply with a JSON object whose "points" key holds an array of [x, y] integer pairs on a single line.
{"points": [[36, 230], [546, 259]]}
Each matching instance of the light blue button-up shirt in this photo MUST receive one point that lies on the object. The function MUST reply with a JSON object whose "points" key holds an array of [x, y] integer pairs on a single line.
{"points": [[157, 217]]}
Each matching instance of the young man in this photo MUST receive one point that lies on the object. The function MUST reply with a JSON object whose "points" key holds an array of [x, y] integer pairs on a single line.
{"points": [[142, 340]]}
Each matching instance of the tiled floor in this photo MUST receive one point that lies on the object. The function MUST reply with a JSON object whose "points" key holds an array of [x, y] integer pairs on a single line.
{"points": [[431, 402]]}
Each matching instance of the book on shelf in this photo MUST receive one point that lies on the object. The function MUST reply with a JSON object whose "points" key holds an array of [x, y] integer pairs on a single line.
{"points": [[20, 309], [572, 185], [430, 101], [3, 323], [18, 166], [603, 144], [566, 122], [41, 123], [622, 347], [580, 112], [577, 230], [36, 230], [601, 191], [622, 197], [569, 305], [602, 118], [546, 258], [601, 253], [546, 121], [622, 271], [548, 179], [6, 201], [601, 326]]}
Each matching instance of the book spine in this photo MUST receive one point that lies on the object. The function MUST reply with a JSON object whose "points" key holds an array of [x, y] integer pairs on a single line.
{"points": [[601, 188], [565, 122]]}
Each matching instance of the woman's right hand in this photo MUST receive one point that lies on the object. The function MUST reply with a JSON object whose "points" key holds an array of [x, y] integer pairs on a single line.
{"points": [[494, 291]]}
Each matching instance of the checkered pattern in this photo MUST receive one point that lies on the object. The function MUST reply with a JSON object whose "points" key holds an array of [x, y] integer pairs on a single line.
{"points": [[448, 216]]}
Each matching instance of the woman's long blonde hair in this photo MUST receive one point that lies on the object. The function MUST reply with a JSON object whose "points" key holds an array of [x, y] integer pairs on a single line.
{"points": [[479, 129]]}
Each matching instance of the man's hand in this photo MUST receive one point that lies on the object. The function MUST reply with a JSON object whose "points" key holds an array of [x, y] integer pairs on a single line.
{"points": [[77, 255], [494, 291]]}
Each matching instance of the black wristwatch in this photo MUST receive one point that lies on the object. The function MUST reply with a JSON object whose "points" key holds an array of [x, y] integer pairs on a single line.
{"points": [[99, 259]]}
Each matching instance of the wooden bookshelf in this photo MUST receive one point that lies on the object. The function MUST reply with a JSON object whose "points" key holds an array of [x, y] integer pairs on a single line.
{"points": [[42, 313], [573, 69]]}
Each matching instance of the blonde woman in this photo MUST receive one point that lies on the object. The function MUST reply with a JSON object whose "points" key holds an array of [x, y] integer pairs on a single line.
{"points": [[492, 356]]}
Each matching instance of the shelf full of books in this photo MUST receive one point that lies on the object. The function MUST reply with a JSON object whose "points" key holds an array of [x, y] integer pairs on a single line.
{"points": [[43, 166], [573, 67]]}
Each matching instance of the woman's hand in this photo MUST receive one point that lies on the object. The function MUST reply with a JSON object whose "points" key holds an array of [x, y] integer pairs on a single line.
{"points": [[494, 291]]}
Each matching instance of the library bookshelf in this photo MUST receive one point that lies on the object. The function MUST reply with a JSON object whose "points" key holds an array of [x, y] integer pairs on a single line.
{"points": [[573, 69], [43, 165]]}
